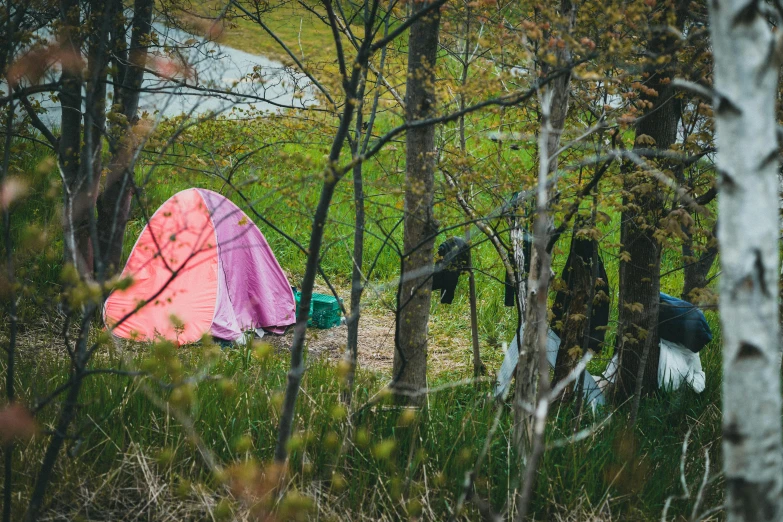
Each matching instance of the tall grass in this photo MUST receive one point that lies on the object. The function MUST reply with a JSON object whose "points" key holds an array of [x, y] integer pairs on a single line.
{"points": [[393, 465], [393, 462]]}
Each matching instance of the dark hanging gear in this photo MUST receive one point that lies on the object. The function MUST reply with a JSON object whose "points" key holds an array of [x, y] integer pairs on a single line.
{"points": [[681, 322], [583, 249], [511, 291], [453, 258]]}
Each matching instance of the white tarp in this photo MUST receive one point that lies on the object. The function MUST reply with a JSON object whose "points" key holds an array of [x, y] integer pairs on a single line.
{"points": [[677, 364]]}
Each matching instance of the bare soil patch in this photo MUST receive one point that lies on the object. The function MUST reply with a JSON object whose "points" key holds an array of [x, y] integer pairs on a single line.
{"points": [[376, 345]]}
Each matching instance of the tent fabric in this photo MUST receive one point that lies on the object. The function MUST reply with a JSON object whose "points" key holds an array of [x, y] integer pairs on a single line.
{"points": [[227, 278], [256, 287], [682, 323]]}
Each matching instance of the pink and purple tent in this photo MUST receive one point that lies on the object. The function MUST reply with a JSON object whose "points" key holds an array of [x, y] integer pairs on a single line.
{"points": [[200, 266]]}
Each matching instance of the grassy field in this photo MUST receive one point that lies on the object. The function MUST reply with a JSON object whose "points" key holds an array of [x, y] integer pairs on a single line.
{"points": [[132, 448], [179, 445], [392, 465], [302, 31]]}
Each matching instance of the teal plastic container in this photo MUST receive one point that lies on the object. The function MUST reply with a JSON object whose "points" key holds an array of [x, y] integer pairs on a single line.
{"points": [[297, 298], [324, 310]]}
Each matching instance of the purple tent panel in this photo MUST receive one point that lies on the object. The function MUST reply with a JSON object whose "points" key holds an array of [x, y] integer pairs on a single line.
{"points": [[253, 291]]}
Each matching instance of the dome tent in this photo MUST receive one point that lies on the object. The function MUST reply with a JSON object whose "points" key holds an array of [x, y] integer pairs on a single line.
{"points": [[227, 278]]}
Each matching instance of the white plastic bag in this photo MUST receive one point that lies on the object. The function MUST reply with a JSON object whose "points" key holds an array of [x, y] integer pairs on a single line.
{"points": [[677, 365]]}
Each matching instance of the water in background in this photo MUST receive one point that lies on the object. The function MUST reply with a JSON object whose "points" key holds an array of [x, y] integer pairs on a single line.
{"points": [[216, 79]]}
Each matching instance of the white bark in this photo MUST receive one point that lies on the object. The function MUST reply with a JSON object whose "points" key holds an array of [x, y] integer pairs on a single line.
{"points": [[746, 78], [780, 292], [518, 244], [532, 346]]}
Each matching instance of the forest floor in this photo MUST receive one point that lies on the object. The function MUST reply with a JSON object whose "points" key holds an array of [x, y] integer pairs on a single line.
{"points": [[446, 353], [376, 339]]}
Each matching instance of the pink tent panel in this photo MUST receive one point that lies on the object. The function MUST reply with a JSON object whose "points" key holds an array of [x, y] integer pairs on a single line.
{"points": [[203, 261]]}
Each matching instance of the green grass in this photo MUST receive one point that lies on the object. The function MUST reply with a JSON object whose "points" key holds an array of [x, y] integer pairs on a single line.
{"points": [[121, 425], [236, 414], [299, 29]]}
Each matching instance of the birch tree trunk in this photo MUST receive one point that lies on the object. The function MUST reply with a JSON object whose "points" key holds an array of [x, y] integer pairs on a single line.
{"points": [[780, 275], [746, 80], [420, 227], [532, 348]]}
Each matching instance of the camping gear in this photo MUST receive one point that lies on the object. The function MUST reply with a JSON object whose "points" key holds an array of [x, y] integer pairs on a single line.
{"points": [[584, 249], [677, 366], [453, 258], [200, 266], [592, 392], [298, 299], [324, 310], [682, 323]]}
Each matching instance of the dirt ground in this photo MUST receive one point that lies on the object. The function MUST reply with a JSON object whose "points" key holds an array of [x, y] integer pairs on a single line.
{"points": [[376, 338], [376, 345]]}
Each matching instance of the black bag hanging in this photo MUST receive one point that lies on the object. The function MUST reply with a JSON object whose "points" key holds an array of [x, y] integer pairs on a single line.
{"points": [[584, 249], [453, 258]]}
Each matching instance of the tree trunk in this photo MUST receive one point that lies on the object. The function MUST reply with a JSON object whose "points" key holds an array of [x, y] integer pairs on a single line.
{"points": [[357, 276], [637, 339], [91, 164], [696, 268], [746, 82], [82, 129], [420, 226], [361, 143], [553, 121], [478, 367], [10, 307], [532, 379], [115, 200], [640, 266], [75, 232]]}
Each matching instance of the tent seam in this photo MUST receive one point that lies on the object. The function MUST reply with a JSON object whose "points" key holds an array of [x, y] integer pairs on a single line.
{"points": [[219, 259]]}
